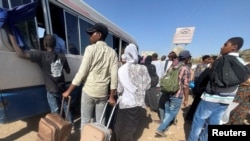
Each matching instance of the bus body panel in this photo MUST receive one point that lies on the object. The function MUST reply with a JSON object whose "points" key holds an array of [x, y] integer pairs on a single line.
{"points": [[18, 72], [23, 92], [22, 103]]}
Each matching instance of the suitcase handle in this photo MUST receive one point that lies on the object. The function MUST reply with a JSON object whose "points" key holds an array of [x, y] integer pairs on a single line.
{"points": [[111, 115], [68, 106]]}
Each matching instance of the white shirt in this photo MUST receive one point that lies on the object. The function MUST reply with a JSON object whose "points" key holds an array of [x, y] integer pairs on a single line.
{"points": [[159, 69], [168, 66]]}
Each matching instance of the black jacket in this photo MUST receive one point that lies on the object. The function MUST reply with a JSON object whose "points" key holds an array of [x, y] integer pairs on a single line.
{"points": [[228, 71], [152, 71]]}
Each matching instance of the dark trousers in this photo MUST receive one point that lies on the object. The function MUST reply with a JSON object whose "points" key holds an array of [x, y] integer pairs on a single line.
{"points": [[127, 123]]}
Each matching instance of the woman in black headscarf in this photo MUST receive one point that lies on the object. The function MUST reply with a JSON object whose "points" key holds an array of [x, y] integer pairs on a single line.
{"points": [[152, 96]]}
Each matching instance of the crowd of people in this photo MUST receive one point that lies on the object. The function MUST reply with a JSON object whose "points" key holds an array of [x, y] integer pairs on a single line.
{"points": [[135, 82]]}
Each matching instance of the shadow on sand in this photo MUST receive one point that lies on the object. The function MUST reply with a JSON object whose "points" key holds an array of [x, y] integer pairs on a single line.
{"points": [[144, 123], [187, 124], [32, 125]]}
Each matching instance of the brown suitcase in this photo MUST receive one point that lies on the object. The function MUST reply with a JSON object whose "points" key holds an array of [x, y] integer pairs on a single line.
{"points": [[97, 131], [53, 127]]}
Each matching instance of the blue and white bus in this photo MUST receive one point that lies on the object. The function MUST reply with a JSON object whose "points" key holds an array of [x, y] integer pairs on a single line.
{"points": [[22, 90]]}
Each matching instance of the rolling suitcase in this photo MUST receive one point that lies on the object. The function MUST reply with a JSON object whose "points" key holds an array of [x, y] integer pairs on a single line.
{"points": [[96, 131], [53, 127]]}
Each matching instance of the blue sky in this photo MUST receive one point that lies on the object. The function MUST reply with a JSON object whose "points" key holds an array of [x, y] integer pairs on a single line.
{"points": [[153, 22]]}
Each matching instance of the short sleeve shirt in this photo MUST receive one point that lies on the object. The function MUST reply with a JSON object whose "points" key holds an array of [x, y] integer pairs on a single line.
{"points": [[52, 65]]}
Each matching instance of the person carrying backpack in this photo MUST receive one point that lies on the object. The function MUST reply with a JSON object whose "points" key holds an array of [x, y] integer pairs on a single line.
{"points": [[171, 61], [175, 96]]}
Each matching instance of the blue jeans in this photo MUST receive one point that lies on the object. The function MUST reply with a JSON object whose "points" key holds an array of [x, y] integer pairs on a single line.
{"points": [[89, 105], [54, 101], [207, 113], [172, 107], [161, 110], [161, 113]]}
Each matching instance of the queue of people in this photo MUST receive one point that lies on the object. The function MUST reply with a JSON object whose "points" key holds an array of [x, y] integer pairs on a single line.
{"points": [[136, 81]]}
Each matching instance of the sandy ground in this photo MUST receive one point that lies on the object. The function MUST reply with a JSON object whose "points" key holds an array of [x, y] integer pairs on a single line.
{"points": [[26, 130]]}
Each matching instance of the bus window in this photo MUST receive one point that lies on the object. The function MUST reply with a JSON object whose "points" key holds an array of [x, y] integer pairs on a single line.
{"points": [[116, 44], [19, 2], [4, 3], [83, 34], [41, 32], [29, 34], [57, 21], [124, 44], [72, 30], [109, 40], [27, 28]]}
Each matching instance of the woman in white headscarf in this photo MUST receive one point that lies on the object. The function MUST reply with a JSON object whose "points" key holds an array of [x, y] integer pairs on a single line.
{"points": [[133, 81]]}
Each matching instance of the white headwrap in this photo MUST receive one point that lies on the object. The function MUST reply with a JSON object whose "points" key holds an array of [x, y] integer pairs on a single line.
{"points": [[134, 79], [131, 53]]}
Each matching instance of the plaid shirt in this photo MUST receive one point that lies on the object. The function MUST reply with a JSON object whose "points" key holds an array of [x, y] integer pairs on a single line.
{"points": [[184, 79]]}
